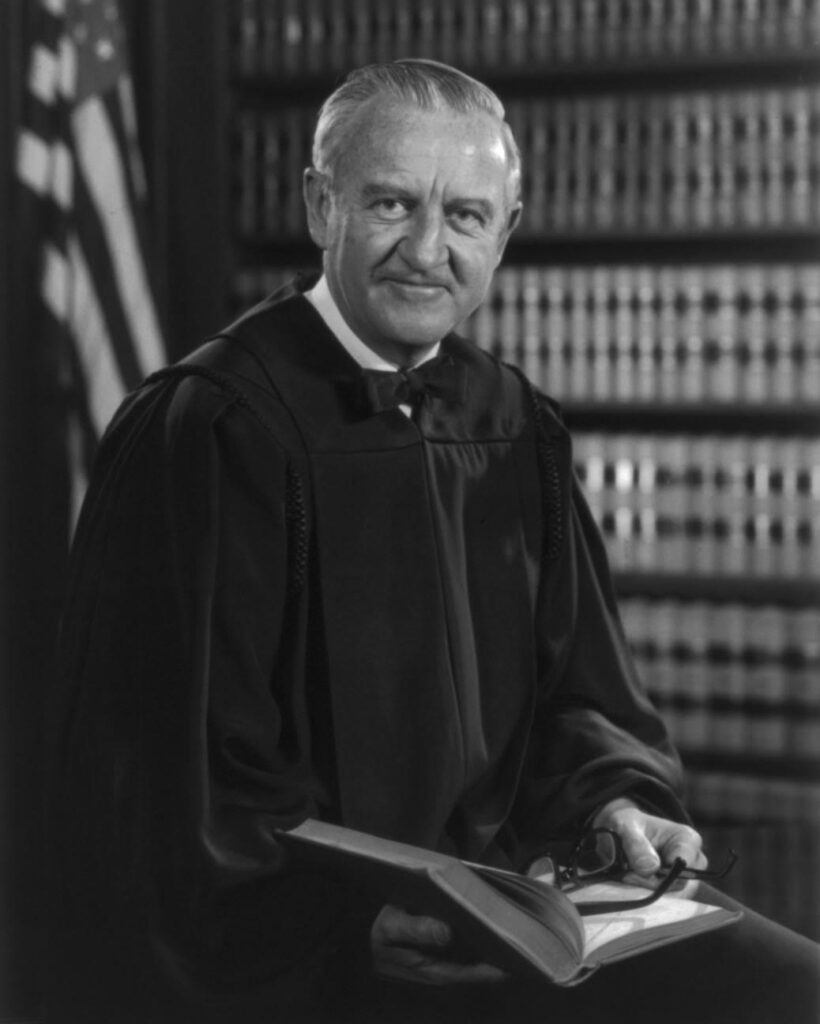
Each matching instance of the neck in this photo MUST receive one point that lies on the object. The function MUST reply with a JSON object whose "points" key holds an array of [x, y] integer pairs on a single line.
{"points": [[404, 356]]}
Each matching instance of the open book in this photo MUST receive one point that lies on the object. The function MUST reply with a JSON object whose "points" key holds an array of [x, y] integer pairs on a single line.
{"points": [[521, 924]]}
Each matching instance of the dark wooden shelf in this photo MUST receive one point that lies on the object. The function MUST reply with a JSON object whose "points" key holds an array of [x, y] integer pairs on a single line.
{"points": [[727, 70], [793, 593], [764, 766], [710, 247], [629, 247], [694, 417]]}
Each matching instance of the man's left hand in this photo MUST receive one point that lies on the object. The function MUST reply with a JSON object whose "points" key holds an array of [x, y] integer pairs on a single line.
{"points": [[650, 842]]}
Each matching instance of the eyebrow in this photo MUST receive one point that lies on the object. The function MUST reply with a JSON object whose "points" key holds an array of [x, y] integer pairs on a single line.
{"points": [[376, 189]]}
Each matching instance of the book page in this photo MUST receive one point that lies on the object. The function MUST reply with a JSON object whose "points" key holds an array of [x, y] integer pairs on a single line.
{"points": [[602, 929]]}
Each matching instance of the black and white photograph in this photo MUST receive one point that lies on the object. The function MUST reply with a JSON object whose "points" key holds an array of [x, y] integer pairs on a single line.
{"points": [[410, 521]]}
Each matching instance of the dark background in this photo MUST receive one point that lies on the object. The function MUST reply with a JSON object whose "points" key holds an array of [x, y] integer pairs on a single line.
{"points": [[178, 59], [172, 46]]}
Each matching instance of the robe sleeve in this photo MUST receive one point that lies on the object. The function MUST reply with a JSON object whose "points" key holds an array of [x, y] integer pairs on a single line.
{"points": [[595, 733], [182, 732]]}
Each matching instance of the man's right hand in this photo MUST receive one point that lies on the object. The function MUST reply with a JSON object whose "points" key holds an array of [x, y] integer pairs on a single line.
{"points": [[411, 947]]}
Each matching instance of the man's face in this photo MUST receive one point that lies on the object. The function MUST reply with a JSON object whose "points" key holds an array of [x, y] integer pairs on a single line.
{"points": [[414, 224]]}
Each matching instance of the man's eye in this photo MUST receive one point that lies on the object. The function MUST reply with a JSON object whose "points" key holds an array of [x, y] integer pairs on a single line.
{"points": [[390, 207], [468, 218]]}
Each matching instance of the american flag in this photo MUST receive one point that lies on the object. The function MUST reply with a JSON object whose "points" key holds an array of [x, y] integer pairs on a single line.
{"points": [[78, 153]]}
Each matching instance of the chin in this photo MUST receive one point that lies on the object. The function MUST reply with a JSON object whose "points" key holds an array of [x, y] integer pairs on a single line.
{"points": [[418, 332]]}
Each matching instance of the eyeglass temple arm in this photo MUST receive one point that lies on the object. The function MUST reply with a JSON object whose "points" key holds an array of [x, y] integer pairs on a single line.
{"points": [[731, 860], [609, 906]]}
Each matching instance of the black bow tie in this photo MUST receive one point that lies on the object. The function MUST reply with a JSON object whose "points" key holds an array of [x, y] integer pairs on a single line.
{"points": [[441, 378]]}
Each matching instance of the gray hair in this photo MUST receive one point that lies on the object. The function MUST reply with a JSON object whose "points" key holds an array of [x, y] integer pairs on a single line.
{"points": [[426, 84]]}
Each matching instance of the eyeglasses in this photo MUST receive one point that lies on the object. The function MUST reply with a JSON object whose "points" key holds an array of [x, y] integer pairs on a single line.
{"points": [[599, 855]]}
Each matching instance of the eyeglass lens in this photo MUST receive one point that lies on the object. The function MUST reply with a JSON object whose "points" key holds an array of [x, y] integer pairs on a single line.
{"points": [[596, 853]]}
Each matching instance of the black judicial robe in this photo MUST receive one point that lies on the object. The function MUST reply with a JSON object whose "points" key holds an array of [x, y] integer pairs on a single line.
{"points": [[283, 604]]}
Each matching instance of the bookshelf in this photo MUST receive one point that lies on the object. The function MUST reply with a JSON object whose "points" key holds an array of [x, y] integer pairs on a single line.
{"points": [[664, 285]]}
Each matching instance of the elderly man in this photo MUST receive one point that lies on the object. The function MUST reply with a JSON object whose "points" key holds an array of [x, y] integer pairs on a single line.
{"points": [[335, 565]]}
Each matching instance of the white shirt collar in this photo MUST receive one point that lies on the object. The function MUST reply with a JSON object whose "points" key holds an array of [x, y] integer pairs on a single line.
{"points": [[325, 305]]}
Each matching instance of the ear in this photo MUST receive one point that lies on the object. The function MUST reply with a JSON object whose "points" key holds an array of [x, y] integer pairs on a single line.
{"points": [[316, 193], [513, 219]]}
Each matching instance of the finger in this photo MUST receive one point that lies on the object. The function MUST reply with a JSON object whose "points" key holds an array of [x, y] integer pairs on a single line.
{"points": [[642, 856], [414, 966], [443, 972], [397, 927], [687, 844]]}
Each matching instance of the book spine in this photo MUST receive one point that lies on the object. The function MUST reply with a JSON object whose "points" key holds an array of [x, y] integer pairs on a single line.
{"points": [[666, 364], [246, 165], [747, 798], [740, 334], [284, 38], [783, 356], [338, 25], [316, 30], [601, 353], [678, 163], [707, 504], [730, 678], [803, 660], [558, 338], [491, 29], [384, 32], [245, 27], [805, 304], [562, 124], [532, 360], [725, 190], [748, 153], [700, 555], [403, 39], [511, 319], [755, 381], [797, 136], [292, 51], [297, 137], [589, 460], [579, 334], [516, 52]]}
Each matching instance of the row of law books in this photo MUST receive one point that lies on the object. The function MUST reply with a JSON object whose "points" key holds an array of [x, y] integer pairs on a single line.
{"points": [[280, 39], [705, 504], [745, 641], [722, 160], [271, 149], [738, 797], [730, 677], [741, 333], [770, 732], [644, 164]]}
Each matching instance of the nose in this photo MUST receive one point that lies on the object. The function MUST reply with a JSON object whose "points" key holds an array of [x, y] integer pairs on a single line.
{"points": [[424, 246]]}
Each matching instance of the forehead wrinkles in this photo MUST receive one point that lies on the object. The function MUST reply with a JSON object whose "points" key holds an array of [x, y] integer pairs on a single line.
{"points": [[404, 140]]}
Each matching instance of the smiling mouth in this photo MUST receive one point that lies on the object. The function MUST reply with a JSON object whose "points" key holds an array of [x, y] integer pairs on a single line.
{"points": [[420, 288]]}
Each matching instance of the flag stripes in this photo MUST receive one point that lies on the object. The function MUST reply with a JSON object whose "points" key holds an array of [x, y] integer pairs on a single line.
{"points": [[78, 156], [103, 173]]}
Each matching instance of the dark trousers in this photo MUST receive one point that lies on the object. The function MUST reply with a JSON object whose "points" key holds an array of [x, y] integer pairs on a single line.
{"points": [[753, 972]]}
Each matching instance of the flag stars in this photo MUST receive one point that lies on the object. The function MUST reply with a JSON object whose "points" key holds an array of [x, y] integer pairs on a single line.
{"points": [[105, 49], [97, 31]]}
